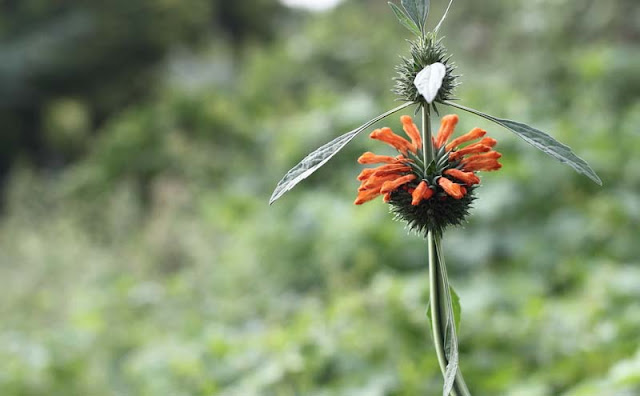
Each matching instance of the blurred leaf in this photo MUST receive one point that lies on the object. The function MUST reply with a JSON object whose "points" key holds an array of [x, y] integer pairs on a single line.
{"points": [[320, 156], [541, 141], [404, 19]]}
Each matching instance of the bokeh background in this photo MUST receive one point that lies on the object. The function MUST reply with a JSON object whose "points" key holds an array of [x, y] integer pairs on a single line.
{"points": [[140, 141]]}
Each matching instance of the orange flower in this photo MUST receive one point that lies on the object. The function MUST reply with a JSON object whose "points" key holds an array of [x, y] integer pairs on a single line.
{"points": [[454, 190], [475, 133], [399, 143], [455, 167], [447, 125], [421, 192], [430, 196], [468, 177], [412, 131], [371, 158], [391, 185]]}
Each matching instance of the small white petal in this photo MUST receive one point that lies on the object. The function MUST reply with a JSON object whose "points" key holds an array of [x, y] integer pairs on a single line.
{"points": [[429, 80]]}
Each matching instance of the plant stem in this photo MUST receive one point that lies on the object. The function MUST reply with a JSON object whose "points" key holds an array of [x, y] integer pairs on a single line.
{"points": [[438, 281], [439, 298], [427, 146]]}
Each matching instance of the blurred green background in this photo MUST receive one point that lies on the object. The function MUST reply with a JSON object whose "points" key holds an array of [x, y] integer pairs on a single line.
{"points": [[140, 141]]}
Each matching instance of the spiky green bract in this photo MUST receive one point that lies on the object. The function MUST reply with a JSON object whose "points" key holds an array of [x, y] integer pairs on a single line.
{"points": [[424, 52], [435, 213]]}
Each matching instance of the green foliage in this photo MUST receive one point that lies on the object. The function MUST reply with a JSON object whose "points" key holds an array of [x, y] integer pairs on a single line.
{"points": [[152, 264]]}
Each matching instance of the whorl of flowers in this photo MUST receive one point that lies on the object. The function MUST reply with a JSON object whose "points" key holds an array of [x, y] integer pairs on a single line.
{"points": [[433, 196]]}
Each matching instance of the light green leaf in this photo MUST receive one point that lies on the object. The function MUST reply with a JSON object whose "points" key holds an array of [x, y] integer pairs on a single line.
{"points": [[405, 20], [320, 156], [541, 141], [455, 302]]}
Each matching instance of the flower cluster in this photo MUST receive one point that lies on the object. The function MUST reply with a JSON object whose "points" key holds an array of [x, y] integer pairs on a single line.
{"points": [[431, 196]]}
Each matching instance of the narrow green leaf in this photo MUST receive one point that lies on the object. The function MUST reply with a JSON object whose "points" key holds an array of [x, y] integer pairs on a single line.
{"points": [[405, 20], [455, 302], [320, 156], [417, 10], [435, 31], [449, 314], [541, 141]]}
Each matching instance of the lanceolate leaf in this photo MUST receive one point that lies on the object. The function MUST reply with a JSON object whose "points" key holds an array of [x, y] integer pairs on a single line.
{"points": [[320, 156], [405, 20], [541, 141], [417, 11]]}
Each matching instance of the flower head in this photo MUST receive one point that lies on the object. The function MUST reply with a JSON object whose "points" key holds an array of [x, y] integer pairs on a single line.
{"points": [[424, 52], [431, 196]]}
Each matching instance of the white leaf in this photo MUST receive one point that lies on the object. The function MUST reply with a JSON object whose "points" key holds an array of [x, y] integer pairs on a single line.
{"points": [[429, 80]]}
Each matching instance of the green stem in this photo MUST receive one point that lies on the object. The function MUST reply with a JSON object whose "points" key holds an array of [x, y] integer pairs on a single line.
{"points": [[427, 146], [439, 297], [438, 281]]}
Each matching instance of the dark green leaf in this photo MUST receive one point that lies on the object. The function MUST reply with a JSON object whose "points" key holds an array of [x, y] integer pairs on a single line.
{"points": [[417, 10], [405, 20], [541, 141], [320, 156]]}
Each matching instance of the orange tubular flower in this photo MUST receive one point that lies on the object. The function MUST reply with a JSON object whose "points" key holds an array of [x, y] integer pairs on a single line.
{"points": [[473, 134], [454, 190], [399, 143], [468, 177], [428, 197], [421, 192], [447, 125], [371, 158], [412, 131]]}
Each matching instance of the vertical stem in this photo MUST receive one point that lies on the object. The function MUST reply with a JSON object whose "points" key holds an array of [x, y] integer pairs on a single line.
{"points": [[434, 285], [438, 280], [427, 146]]}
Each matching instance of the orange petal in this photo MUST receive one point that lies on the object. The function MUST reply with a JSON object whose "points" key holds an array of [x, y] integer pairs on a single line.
{"points": [[389, 186], [386, 197], [475, 148], [412, 131], [468, 177], [418, 194], [489, 141], [486, 164], [383, 170], [447, 125], [475, 133], [366, 196], [427, 193], [371, 158], [376, 182], [454, 190], [389, 169], [479, 157], [387, 136], [366, 173]]}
